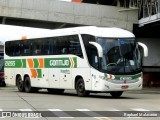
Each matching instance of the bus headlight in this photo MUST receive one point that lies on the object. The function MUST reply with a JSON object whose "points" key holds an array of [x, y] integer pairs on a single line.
{"points": [[140, 78]]}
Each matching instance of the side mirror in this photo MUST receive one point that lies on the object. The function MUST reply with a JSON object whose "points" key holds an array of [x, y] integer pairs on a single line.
{"points": [[145, 48], [99, 48]]}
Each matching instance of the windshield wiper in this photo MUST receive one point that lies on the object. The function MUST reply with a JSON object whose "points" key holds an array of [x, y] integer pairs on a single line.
{"points": [[123, 61], [119, 61]]}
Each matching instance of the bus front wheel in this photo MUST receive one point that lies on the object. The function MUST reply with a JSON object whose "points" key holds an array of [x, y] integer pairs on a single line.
{"points": [[20, 84], [80, 88], [116, 94]]}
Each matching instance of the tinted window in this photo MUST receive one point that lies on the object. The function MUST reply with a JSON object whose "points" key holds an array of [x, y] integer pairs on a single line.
{"points": [[91, 51], [25, 48], [37, 46], [70, 45], [13, 48], [45, 46]]}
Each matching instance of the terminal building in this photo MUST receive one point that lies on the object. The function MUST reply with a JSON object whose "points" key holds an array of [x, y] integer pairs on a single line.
{"points": [[142, 17]]}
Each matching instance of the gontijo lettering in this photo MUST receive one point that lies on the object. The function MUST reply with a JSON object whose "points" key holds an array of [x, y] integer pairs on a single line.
{"points": [[59, 62]]}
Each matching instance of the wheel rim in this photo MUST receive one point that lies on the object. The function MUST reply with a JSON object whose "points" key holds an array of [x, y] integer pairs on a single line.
{"points": [[81, 87], [20, 84], [27, 85]]}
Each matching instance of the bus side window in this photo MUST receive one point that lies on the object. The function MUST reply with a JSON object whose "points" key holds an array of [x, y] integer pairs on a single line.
{"points": [[64, 51], [37, 46], [74, 46], [25, 48], [58, 43], [13, 48], [46, 47], [26, 52], [91, 51], [93, 56], [16, 48], [9, 48], [62, 45], [54, 42]]}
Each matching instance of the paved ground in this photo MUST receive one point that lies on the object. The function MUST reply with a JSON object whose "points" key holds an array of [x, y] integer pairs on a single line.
{"points": [[96, 106]]}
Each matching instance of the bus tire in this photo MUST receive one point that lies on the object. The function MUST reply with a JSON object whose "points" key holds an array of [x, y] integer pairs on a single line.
{"points": [[20, 84], [80, 88], [116, 94], [27, 85]]}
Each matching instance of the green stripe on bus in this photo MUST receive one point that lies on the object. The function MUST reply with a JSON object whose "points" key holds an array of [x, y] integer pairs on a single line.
{"points": [[13, 63], [48, 63], [123, 77], [39, 72], [75, 62], [24, 63], [130, 77], [36, 63]]}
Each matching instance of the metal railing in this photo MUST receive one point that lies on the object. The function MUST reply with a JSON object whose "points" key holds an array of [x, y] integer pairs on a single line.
{"points": [[127, 3], [148, 8]]}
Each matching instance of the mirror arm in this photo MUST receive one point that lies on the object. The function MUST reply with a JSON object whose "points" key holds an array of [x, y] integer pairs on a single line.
{"points": [[100, 53], [145, 48], [99, 48]]}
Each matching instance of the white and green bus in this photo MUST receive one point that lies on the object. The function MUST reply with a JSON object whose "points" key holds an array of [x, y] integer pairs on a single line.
{"points": [[87, 59]]}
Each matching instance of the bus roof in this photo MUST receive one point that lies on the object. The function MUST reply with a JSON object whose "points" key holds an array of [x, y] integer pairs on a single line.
{"points": [[106, 32], [16, 32], [96, 31]]}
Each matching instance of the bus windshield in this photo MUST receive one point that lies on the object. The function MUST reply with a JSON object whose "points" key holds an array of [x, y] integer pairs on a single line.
{"points": [[120, 55]]}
